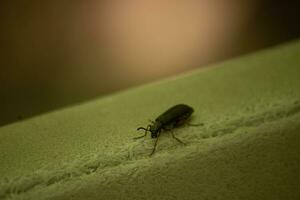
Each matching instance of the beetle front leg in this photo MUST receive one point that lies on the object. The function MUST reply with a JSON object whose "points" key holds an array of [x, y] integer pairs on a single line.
{"points": [[155, 144]]}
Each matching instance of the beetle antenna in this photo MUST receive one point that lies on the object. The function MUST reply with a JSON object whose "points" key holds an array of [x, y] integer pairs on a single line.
{"points": [[142, 128], [146, 131]]}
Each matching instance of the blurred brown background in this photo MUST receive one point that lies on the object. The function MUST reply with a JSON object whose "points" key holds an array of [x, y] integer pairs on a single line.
{"points": [[56, 53]]}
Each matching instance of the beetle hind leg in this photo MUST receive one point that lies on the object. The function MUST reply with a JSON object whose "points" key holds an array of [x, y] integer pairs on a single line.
{"points": [[189, 124]]}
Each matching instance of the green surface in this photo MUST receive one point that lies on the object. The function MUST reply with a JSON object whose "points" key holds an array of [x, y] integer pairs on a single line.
{"points": [[248, 148]]}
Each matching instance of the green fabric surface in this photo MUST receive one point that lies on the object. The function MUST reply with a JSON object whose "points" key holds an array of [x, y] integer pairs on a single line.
{"points": [[248, 148]]}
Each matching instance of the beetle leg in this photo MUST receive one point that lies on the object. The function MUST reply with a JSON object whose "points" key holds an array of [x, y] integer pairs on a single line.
{"points": [[177, 138], [200, 124], [155, 144], [190, 124]]}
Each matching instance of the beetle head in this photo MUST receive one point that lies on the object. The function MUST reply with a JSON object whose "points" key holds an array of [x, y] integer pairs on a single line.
{"points": [[154, 129]]}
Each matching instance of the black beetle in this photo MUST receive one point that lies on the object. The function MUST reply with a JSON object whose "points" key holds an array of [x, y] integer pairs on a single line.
{"points": [[174, 116]]}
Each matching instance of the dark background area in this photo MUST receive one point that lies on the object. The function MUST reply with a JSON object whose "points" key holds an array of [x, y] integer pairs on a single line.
{"points": [[59, 53]]}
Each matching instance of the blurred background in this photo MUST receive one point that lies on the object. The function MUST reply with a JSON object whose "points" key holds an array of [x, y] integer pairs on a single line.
{"points": [[60, 52]]}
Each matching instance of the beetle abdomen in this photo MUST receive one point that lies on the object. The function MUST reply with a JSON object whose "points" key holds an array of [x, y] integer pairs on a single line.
{"points": [[175, 114]]}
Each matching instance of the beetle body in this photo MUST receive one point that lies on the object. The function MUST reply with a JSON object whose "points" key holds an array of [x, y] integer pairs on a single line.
{"points": [[171, 118]]}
